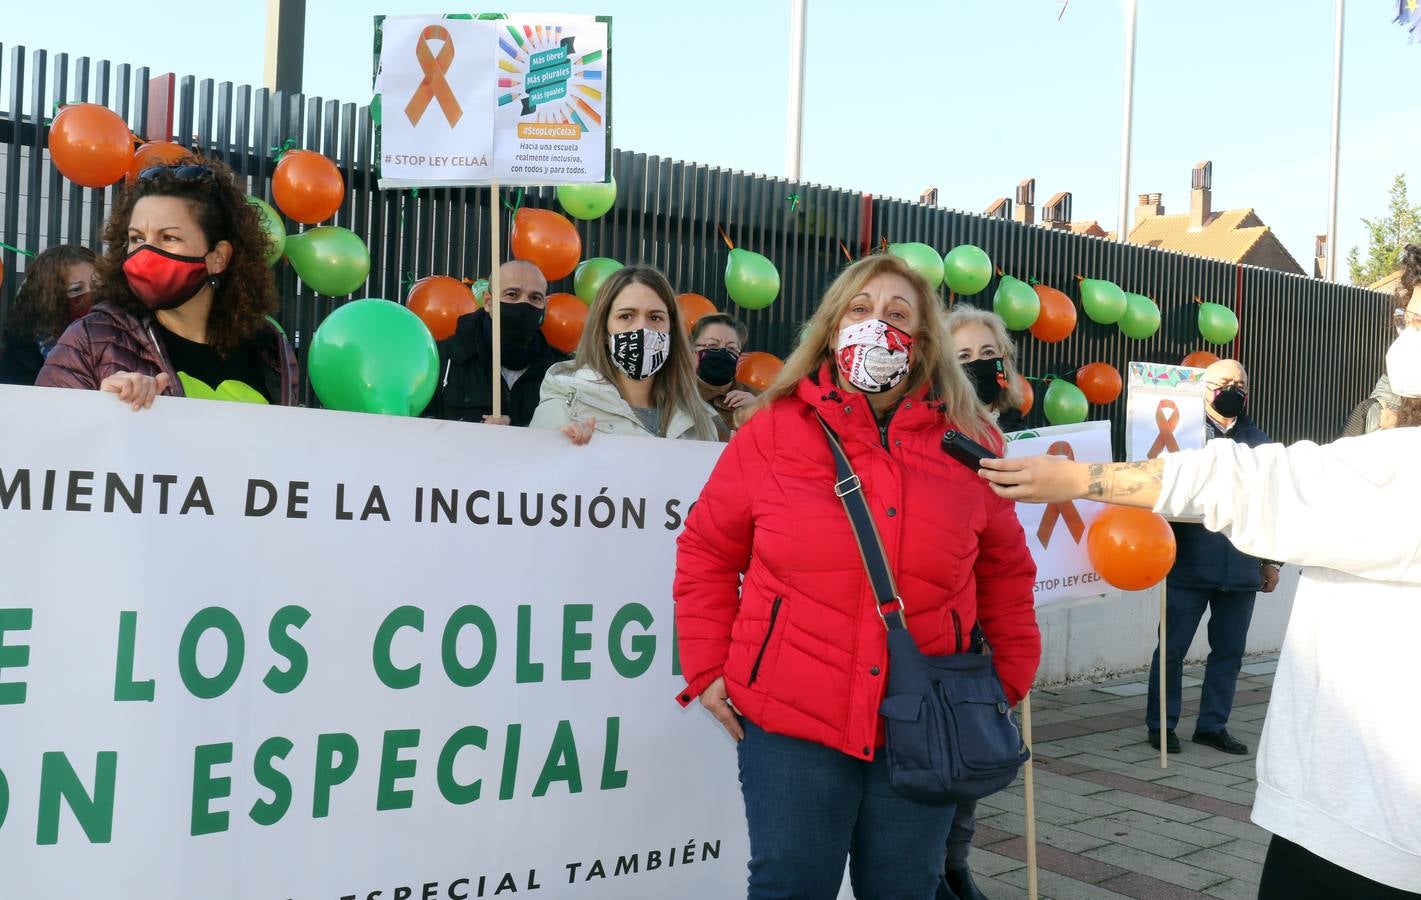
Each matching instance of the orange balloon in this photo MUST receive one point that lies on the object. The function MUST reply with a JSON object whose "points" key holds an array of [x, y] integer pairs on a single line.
{"points": [[758, 369], [307, 186], [1200, 359], [692, 307], [1100, 382], [157, 153], [547, 240], [439, 301], [90, 144], [1058, 315], [1028, 396], [565, 319], [1131, 548]]}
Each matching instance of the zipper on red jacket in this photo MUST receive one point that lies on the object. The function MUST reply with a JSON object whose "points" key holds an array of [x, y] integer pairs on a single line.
{"points": [[764, 645], [956, 632]]}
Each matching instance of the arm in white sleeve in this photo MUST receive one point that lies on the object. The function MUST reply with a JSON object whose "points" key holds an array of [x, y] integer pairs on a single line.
{"points": [[1351, 505]]}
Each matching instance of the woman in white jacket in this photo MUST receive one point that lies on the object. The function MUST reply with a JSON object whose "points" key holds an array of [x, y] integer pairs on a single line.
{"points": [[633, 372], [1339, 778]]}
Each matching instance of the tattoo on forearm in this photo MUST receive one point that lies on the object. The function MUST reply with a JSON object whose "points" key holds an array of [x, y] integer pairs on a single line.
{"points": [[1122, 481]]}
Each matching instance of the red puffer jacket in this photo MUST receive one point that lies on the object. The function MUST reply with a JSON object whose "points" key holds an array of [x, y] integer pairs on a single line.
{"points": [[800, 642]]}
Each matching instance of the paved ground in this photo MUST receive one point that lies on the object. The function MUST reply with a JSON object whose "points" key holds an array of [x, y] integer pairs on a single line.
{"points": [[1110, 822]]}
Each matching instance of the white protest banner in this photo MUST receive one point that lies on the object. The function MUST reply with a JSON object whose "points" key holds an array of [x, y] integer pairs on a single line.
{"points": [[437, 101], [254, 653], [1056, 532], [1164, 410]]}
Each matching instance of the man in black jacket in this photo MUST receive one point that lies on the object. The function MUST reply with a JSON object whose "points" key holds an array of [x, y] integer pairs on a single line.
{"points": [[1209, 573], [466, 379]]}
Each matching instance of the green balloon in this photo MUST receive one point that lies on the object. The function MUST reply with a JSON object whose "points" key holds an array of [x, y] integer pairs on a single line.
{"points": [[374, 356], [921, 259], [967, 269], [273, 226], [375, 109], [480, 290], [1065, 404], [1016, 303], [1217, 323], [588, 277], [331, 260], [751, 279], [1141, 319], [587, 201], [1103, 301]]}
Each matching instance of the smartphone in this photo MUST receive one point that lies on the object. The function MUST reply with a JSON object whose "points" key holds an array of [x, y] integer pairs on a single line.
{"points": [[965, 450]]}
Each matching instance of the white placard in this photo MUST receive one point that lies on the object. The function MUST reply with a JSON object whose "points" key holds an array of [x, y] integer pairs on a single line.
{"points": [[1164, 410]]}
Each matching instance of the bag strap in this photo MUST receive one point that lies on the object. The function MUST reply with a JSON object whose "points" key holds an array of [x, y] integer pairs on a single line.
{"points": [[849, 489]]}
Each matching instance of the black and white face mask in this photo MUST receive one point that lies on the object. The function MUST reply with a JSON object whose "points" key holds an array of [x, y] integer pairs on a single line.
{"points": [[639, 352]]}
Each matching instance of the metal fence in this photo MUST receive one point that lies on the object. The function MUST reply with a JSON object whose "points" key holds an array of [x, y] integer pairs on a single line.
{"points": [[1313, 349]]}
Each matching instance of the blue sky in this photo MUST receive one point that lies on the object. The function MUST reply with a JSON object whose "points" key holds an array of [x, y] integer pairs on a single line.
{"points": [[969, 95]]}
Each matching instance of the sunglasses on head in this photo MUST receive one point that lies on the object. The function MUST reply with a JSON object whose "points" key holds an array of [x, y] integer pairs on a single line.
{"points": [[180, 171]]}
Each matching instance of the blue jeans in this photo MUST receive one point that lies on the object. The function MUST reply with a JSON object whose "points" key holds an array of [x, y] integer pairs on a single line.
{"points": [[1229, 615], [810, 807], [959, 839]]}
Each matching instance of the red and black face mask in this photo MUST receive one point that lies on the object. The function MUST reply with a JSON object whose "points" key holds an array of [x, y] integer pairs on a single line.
{"points": [[164, 280]]}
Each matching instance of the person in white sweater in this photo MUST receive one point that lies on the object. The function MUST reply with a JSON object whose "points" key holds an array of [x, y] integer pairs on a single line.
{"points": [[633, 372], [1339, 777]]}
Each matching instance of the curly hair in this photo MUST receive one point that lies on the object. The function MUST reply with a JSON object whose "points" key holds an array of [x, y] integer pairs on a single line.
{"points": [[41, 307], [1408, 411], [246, 292]]}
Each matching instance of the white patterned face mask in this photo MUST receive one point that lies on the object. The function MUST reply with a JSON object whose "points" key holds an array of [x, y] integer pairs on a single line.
{"points": [[1403, 363], [639, 352], [874, 356]]}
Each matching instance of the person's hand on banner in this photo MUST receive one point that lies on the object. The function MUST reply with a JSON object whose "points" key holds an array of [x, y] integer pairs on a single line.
{"points": [[1036, 479], [497, 420], [715, 699], [737, 399], [1269, 572], [134, 389], [580, 432]]}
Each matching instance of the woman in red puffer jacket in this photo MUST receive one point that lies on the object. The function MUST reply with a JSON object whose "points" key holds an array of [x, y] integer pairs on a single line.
{"points": [[779, 634]]}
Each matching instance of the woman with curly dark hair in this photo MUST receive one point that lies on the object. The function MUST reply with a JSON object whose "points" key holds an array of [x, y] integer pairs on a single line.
{"points": [[57, 289], [183, 298]]}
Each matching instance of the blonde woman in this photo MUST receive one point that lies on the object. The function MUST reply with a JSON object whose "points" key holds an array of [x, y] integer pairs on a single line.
{"points": [[986, 351], [633, 372], [779, 634]]}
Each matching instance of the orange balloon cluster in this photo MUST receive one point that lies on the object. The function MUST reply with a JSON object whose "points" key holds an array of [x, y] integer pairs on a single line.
{"points": [[307, 186], [1028, 396], [1200, 359], [156, 153], [692, 307], [757, 369], [563, 323], [90, 145], [1131, 548], [439, 301], [1100, 382], [547, 240], [1057, 318]]}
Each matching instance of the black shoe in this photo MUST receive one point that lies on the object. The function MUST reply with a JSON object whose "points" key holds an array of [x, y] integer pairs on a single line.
{"points": [[1221, 740], [1171, 739], [960, 881]]}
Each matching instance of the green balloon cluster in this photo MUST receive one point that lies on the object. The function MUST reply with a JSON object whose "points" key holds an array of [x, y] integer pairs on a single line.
{"points": [[329, 259], [752, 280], [1103, 301], [587, 201], [588, 277], [1217, 323], [967, 269], [1016, 303], [273, 226], [921, 259], [1065, 404], [1141, 319], [374, 356]]}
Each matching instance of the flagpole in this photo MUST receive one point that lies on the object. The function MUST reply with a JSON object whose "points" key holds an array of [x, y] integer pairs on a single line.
{"points": [[794, 125], [1122, 228], [1330, 273]]}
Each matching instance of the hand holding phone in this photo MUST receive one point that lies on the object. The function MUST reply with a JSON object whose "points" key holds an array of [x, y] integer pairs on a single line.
{"points": [[965, 450]]}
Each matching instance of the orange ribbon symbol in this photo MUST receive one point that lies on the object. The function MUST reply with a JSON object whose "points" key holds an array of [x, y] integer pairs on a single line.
{"points": [[1166, 424], [433, 86], [1066, 510]]}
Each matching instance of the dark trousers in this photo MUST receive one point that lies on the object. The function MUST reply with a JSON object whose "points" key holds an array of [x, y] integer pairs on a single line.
{"points": [[810, 808], [1229, 615], [959, 839], [1291, 872]]}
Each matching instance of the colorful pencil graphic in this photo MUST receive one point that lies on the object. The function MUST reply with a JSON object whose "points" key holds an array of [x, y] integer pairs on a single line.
{"points": [[578, 121], [590, 91], [592, 113], [507, 66], [588, 58], [509, 82], [508, 48], [518, 38]]}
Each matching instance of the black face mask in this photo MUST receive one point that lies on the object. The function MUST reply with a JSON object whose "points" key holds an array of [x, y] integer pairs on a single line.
{"points": [[716, 366], [1229, 402], [988, 376], [521, 322]]}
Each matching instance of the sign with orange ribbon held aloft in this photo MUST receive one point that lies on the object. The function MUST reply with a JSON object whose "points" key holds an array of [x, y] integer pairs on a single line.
{"points": [[468, 101], [1164, 410], [1055, 532]]}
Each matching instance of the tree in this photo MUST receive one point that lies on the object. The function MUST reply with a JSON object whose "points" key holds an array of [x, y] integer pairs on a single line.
{"points": [[1386, 236]]}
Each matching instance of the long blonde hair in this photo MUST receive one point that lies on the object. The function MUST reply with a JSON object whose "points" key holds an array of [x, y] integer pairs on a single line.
{"points": [[1012, 395], [673, 387], [934, 361]]}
